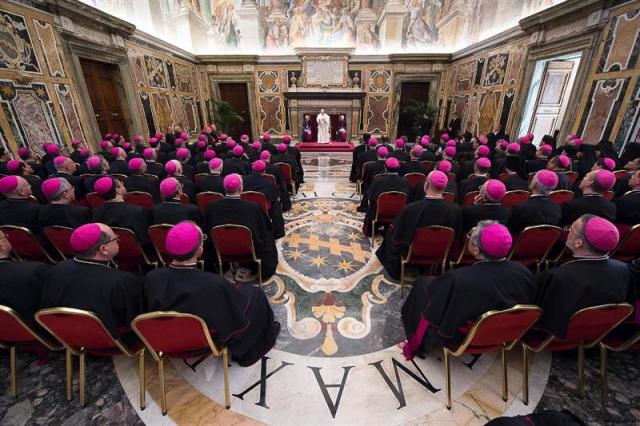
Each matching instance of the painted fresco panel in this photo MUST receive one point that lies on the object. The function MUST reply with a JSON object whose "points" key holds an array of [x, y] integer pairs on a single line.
{"points": [[156, 72], [496, 69], [489, 110]]}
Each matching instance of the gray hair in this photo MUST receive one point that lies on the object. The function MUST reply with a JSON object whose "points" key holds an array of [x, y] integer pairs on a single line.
{"points": [[542, 189], [474, 237]]}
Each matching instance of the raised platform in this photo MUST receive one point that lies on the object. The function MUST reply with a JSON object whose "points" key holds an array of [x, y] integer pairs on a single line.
{"points": [[325, 147]]}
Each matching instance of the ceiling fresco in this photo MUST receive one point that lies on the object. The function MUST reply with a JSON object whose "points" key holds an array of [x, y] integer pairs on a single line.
{"points": [[279, 26]]}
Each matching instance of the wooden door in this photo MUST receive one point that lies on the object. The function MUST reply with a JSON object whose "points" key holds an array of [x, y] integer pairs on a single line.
{"points": [[105, 96], [410, 93], [552, 98], [237, 96]]}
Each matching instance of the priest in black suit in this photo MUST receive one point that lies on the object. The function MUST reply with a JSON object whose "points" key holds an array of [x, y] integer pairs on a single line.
{"points": [[62, 209], [433, 210], [628, 205], [171, 210], [212, 182], [153, 166], [236, 162], [281, 184], [359, 149], [240, 314], [258, 183], [140, 181], [414, 165], [473, 182], [66, 168], [593, 186], [18, 208], [538, 209], [487, 205]]}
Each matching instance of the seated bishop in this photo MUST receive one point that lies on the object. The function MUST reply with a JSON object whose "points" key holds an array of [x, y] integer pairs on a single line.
{"points": [[62, 209], [239, 316], [439, 310]]}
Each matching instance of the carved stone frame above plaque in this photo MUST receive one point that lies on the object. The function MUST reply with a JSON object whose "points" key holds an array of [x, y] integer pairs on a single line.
{"points": [[325, 71]]}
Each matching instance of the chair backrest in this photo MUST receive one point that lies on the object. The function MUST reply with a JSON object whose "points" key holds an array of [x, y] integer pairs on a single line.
{"points": [[365, 167], [121, 177], [94, 200], [432, 242], [204, 198], [390, 203], [449, 196], [173, 332], [131, 252], [12, 328], [271, 178], [451, 176], [469, 198], [591, 324], [561, 196], [158, 237], [258, 198], [629, 245], [535, 242], [500, 328], [197, 178], [428, 165], [415, 178], [609, 195], [25, 245], [76, 328], [515, 197], [619, 174], [60, 238], [504, 176], [184, 199], [285, 169], [572, 176], [232, 240], [139, 198]]}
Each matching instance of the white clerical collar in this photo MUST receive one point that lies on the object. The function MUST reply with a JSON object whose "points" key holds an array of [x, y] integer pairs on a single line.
{"points": [[92, 262], [233, 196], [189, 266], [587, 258]]}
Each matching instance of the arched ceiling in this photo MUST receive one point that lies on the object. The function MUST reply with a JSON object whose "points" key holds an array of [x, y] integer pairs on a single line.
{"points": [[276, 27]]}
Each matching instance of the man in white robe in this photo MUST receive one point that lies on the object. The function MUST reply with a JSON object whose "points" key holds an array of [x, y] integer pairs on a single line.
{"points": [[323, 127]]}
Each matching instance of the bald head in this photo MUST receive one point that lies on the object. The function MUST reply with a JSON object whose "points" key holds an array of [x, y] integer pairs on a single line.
{"points": [[5, 246]]}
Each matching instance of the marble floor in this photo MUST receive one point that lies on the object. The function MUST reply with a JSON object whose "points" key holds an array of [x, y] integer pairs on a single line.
{"points": [[337, 359]]}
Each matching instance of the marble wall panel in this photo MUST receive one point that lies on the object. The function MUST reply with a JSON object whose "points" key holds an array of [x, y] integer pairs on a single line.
{"points": [[622, 44], [47, 38], [156, 72], [465, 76], [377, 114], [145, 101], [69, 110], [190, 115], [380, 81], [489, 111], [171, 74], [268, 82], [630, 126], [270, 114], [478, 77], [137, 63], [16, 50], [183, 78], [496, 69], [516, 61], [605, 98], [161, 111], [507, 104]]}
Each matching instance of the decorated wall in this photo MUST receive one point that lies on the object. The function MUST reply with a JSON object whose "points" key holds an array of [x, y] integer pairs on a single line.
{"points": [[39, 100], [482, 89], [610, 106], [170, 90]]}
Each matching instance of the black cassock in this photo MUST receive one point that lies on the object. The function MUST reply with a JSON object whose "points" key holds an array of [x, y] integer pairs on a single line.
{"points": [[581, 283], [472, 183], [21, 287], [76, 181], [173, 211], [563, 181], [235, 165], [382, 183], [211, 183], [122, 215], [430, 211], [143, 183], [119, 167], [155, 168], [237, 316], [516, 182], [536, 165], [537, 210], [235, 211], [588, 204], [285, 198], [438, 309], [628, 208], [353, 175], [257, 183], [188, 187], [21, 213], [471, 215], [68, 215], [114, 296]]}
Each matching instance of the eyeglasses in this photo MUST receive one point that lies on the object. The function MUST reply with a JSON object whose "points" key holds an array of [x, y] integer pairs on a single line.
{"points": [[116, 238]]}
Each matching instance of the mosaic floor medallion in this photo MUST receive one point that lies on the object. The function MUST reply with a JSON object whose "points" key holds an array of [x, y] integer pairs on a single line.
{"points": [[337, 359]]}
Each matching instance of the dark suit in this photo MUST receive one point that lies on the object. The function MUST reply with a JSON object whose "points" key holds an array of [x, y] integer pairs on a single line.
{"points": [[537, 210]]}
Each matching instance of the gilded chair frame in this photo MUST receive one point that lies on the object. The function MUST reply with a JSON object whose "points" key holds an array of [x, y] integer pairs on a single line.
{"points": [[472, 334], [57, 227], [543, 259], [261, 195], [81, 352], [624, 238], [13, 359], [406, 260], [27, 230], [159, 356], [253, 250], [144, 256], [293, 178], [581, 347]]}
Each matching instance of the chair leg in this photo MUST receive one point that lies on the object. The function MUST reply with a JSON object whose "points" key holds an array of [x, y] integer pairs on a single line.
{"points": [[14, 374], [401, 279], [260, 274], [81, 379], [603, 373], [525, 375], [373, 234], [225, 369], [163, 395], [505, 384], [581, 371], [141, 378], [447, 378], [69, 362]]}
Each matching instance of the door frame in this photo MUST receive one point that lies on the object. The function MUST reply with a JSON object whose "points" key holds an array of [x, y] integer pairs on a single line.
{"points": [[434, 86], [214, 83]]}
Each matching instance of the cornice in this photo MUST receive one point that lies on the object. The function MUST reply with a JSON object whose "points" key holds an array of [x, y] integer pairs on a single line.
{"points": [[149, 41], [419, 57], [227, 59], [82, 12], [504, 37], [567, 10]]}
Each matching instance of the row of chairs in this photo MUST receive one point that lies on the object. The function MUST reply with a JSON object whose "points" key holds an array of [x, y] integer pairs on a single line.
{"points": [[179, 335], [434, 246], [232, 243]]}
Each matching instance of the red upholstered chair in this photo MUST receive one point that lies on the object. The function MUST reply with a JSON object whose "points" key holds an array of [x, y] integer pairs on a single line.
{"points": [[204, 198], [493, 331], [619, 174], [16, 334], [428, 165], [234, 244], [258, 198], [94, 200], [139, 198], [451, 176], [629, 245], [82, 332], [504, 176], [609, 195], [626, 337], [122, 178], [184, 199], [463, 256], [587, 327], [469, 198], [530, 177], [131, 253], [197, 178], [271, 178], [572, 176], [363, 172], [60, 238], [449, 196], [534, 244], [25, 245], [388, 205], [515, 197], [287, 173], [177, 335], [415, 178], [430, 246], [561, 196], [158, 236]]}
